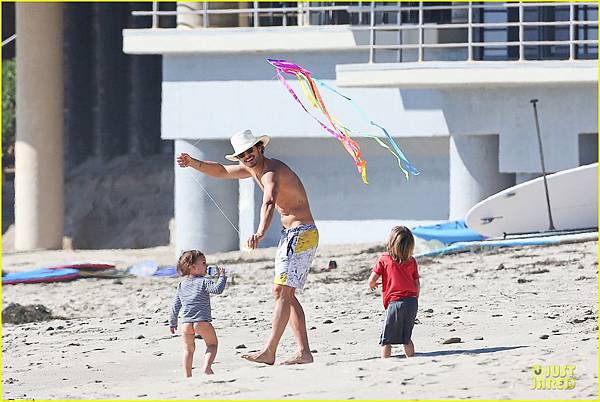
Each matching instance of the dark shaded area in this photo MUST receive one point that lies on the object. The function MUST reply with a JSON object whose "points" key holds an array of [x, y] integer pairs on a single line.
{"points": [[8, 29], [112, 100], [126, 202], [8, 199], [144, 121], [79, 85], [111, 80], [588, 148], [15, 313]]}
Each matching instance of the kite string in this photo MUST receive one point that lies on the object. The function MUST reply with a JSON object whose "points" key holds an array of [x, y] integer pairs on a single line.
{"points": [[215, 202], [193, 176]]}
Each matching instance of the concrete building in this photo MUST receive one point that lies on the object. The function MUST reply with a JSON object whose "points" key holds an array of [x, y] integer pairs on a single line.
{"points": [[451, 81]]}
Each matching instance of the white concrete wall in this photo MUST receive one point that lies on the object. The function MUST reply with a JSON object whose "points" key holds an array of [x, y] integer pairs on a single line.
{"points": [[269, 40], [345, 209], [211, 95], [488, 113], [215, 96], [462, 75], [565, 111]]}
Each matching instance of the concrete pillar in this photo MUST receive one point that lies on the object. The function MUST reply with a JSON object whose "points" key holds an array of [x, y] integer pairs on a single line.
{"points": [[189, 21], [474, 173], [251, 197], [39, 177], [193, 21], [198, 222], [248, 213], [244, 19]]}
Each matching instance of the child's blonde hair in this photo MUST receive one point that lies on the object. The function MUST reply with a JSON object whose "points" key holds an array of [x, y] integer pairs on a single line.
{"points": [[186, 260], [401, 244]]}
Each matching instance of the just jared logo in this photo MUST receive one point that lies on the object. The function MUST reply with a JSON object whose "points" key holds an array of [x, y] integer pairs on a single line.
{"points": [[553, 377]]}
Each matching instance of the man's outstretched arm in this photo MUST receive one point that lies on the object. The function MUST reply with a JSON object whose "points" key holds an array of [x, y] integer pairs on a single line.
{"points": [[213, 169]]}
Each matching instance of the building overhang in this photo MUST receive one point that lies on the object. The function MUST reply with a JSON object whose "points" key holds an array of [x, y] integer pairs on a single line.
{"points": [[440, 75], [242, 40]]}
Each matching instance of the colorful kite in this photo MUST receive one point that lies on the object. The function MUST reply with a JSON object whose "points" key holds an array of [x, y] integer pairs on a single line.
{"points": [[337, 129]]}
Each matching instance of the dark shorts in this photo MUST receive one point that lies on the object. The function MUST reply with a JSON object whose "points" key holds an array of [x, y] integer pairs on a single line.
{"points": [[399, 321]]}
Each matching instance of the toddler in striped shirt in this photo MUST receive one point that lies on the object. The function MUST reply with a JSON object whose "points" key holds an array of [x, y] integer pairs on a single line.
{"points": [[193, 299]]}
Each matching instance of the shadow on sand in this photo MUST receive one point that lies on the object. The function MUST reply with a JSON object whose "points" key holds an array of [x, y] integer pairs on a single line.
{"points": [[449, 352], [464, 351]]}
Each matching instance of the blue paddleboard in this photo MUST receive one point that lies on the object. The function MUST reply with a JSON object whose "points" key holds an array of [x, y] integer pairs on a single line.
{"points": [[169, 272], [40, 275], [447, 232]]}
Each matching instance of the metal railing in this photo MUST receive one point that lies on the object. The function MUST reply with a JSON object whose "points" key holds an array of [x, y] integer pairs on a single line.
{"points": [[288, 14], [425, 31], [526, 40]]}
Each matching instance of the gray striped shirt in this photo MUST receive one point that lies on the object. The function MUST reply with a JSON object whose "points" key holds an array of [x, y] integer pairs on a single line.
{"points": [[193, 295]]}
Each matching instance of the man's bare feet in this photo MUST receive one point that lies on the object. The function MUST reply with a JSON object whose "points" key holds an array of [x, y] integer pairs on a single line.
{"points": [[208, 371], [299, 358], [260, 357]]}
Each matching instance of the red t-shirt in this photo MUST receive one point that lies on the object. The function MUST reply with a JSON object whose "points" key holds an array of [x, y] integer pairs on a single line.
{"points": [[397, 278]]}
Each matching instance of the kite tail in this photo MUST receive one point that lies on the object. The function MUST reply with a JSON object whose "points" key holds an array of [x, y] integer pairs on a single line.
{"points": [[395, 150], [338, 130], [311, 92]]}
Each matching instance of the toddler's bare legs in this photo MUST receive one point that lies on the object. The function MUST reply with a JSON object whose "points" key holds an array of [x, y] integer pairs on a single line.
{"points": [[189, 346], [207, 332], [409, 349], [386, 351]]}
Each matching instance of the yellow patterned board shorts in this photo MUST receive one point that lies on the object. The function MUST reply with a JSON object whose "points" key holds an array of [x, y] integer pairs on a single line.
{"points": [[297, 248]]}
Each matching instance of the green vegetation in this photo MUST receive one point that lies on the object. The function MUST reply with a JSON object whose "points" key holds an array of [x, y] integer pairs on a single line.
{"points": [[9, 111]]}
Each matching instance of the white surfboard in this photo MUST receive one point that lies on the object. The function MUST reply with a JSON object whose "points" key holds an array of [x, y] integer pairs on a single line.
{"points": [[523, 208]]}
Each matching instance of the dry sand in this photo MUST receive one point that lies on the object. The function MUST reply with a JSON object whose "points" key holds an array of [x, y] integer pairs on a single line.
{"points": [[114, 342]]}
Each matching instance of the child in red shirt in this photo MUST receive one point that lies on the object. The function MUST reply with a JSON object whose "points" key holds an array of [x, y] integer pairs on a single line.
{"points": [[400, 279]]}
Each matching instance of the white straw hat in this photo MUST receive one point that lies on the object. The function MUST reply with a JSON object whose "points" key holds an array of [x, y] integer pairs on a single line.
{"points": [[244, 140]]}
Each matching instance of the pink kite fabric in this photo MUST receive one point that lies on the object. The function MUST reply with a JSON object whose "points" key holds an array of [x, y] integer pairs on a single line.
{"points": [[337, 129]]}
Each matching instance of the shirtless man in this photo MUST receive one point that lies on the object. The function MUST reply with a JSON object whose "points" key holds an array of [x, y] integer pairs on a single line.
{"points": [[283, 190]]}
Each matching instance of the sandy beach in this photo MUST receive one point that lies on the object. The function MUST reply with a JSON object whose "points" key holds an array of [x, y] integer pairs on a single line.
{"points": [[511, 308]]}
